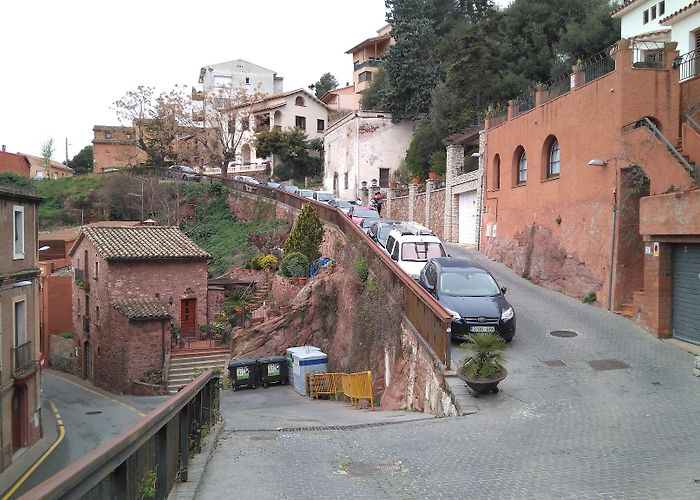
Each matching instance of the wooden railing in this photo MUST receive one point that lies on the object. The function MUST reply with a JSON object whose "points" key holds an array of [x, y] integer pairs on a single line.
{"points": [[421, 309], [152, 452]]}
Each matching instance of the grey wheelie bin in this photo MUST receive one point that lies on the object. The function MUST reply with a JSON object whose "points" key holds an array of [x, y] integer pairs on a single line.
{"points": [[243, 373], [273, 370]]}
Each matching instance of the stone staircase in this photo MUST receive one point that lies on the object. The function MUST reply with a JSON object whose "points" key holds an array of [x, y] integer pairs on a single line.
{"points": [[184, 363]]}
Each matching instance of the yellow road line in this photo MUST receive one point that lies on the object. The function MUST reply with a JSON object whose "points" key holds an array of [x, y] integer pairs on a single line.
{"points": [[61, 435], [141, 414]]}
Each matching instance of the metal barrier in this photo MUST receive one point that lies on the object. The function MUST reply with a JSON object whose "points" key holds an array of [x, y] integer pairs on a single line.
{"points": [[427, 316], [358, 387], [598, 65], [556, 87], [688, 64], [325, 384], [152, 452]]}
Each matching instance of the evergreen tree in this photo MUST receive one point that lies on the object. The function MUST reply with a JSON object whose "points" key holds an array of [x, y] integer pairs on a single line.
{"points": [[372, 97], [82, 163], [324, 84], [306, 235]]}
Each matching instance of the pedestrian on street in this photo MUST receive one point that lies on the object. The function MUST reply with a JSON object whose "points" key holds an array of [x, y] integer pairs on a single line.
{"points": [[378, 202]]}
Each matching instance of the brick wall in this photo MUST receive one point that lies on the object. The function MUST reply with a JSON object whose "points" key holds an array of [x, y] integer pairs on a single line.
{"points": [[62, 354]]}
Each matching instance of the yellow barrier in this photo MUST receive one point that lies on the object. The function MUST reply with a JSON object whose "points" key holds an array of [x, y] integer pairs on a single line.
{"points": [[358, 387], [324, 384]]}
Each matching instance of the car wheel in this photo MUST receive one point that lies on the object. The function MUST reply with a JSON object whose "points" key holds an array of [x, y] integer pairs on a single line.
{"points": [[184, 177]]}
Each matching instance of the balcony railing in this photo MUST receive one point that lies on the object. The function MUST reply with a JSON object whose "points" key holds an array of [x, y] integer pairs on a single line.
{"points": [[556, 87], [22, 361], [648, 55], [524, 102], [688, 64], [598, 65], [197, 95], [370, 63]]}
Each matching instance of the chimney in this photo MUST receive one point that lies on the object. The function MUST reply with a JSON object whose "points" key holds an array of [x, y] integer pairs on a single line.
{"points": [[3, 148]]}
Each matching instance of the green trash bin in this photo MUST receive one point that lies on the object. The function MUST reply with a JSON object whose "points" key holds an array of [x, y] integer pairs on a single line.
{"points": [[243, 373], [273, 370]]}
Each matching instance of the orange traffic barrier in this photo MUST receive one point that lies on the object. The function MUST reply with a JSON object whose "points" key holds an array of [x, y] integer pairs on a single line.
{"points": [[358, 387], [326, 384]]}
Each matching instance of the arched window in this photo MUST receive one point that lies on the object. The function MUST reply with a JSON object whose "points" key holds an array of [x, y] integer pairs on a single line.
{"points": [[522, 167], [553, 160], [496, 182], [299, 101]]}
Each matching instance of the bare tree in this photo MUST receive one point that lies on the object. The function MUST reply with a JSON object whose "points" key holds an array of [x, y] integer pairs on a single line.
{"points": [[47, 151]]}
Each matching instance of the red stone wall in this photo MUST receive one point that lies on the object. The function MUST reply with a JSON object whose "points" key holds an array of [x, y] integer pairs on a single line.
{"points": [[116, 156]]}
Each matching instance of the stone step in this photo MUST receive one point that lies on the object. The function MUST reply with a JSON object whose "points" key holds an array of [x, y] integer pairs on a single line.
{"points": [[185, 362]]}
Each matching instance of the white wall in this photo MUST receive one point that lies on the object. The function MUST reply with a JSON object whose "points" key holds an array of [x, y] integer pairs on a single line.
{"points": [[633, 20], [260, 79], [682, 32], [360, 145]]}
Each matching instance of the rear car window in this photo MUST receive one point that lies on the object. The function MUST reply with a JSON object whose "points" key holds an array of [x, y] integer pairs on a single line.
{"points": [[420, 251]]}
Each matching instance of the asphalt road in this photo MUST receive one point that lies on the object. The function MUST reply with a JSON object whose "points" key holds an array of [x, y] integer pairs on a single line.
{"points": [[90, 417]]}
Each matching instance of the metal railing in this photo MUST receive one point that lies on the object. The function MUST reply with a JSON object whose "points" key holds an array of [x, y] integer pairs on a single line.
{"points": [[598, 65], [524, 103], [498, 117], [555, 88], [157, 446], [421, 309], [646, 54], [688, 64], [371, 63], [22, 359]]}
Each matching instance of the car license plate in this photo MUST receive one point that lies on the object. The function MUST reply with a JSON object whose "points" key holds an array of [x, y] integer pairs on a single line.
{"points": [[482, 329]]}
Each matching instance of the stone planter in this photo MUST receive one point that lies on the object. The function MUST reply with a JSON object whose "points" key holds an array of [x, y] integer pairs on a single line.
{"points": [[484, 385], [433, 176], [393, 185], [415, 181]]}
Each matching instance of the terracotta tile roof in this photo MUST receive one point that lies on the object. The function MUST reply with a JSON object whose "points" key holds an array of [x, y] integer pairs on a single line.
{"points": [[258, 105], [15, 163], [141, 309], [624, 5], [680, 11], [369, 41], [651, 34], [38, 163], [141, 242]]}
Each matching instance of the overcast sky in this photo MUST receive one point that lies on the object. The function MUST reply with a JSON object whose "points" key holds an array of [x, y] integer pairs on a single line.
{"points": [[65, 62]]}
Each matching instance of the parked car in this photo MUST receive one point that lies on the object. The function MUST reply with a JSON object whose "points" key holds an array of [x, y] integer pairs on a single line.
{"points": [[380, 229], [473, 297], [358, 213], [306, 193], [323, 196], [411, 248], [272, 184], [343, 205], [290, 188], [184, 172]]}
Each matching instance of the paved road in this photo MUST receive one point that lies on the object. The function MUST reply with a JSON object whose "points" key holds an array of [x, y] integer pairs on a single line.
{"points": [[553, 432], [90, 416]]}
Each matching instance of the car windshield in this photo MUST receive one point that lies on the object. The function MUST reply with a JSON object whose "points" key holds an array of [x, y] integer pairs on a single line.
{"points": [[306, 192], [324, 196], [364, 212], [384, 232], [468, 284], [187, 169], [421, 251], [343, 204]]}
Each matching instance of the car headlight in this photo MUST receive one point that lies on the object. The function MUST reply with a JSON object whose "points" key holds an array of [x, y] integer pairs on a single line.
{"points": [[507, 314], [454, 314]]}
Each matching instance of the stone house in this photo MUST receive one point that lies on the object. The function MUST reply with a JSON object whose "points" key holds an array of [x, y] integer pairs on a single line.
{"points": [[129, 283], [20, 382], [56, 169], [115, 147]]}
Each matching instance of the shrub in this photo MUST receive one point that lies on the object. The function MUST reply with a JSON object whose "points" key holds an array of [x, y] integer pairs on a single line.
{"points": [[362, 269], [295, 264], [590, 298], [66, 335], [268, 262], [306, 235]]}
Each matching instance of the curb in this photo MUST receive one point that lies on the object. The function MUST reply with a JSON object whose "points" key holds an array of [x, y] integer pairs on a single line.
{"points": [[196, 467]]}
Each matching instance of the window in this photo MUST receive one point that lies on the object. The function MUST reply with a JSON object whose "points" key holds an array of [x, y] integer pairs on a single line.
{"points": [[219, 103], [421, 251], [300, 122], [496, 182], [384, 177], [653, 12], [18, 231], [345, 180], [522, 168], [221, 81], [247, 80], [20, 322], [662, 8], [320, 125], [108, 135], [245, 123], [645, 15], [553, 163], [97, 269], [299, 101], [365, 76]]}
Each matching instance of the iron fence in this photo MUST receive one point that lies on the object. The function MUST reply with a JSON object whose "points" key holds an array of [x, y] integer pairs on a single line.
{"points": [[598, 65], [22, 359], [687, 64], [555, 87], [154, 452], [498, 117], [524, 102], [647, 54]]}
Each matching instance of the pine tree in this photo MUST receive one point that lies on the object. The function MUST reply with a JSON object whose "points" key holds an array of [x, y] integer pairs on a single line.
{"points": [[306, 235]]}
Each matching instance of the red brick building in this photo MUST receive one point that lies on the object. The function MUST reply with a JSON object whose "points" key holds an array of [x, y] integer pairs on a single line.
{"points": [[15, 164], [566, 168], [129, 283], [115, 147]]}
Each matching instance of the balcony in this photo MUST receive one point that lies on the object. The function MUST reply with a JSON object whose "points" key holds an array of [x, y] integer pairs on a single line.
{"points": [[22, 360], [86, 325], [197, 95], [197, 116], [370, 63]]}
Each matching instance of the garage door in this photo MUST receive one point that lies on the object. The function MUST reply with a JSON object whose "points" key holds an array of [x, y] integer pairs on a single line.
{"points": [[467, 217], [686, 293]]}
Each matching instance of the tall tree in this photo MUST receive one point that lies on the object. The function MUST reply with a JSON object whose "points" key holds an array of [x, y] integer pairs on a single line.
{"points": [[82, 163], [47, 151], [372, 98], [292, 146], [324, 84]]}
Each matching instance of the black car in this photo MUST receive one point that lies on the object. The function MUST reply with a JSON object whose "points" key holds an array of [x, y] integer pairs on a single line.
{"points": [[380, 229], [471, 295]]}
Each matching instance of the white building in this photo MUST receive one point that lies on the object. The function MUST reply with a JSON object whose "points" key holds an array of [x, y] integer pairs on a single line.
{"points": [[364, 146], [240, 74]]}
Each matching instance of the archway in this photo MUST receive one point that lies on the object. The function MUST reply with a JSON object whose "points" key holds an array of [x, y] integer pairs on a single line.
{"points": [[19, 417]]}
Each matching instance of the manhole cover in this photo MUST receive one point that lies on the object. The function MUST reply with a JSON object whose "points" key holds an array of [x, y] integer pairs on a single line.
{"points": [[378, 469], [92, 412], [608, 364], [555, 363], [563, 334]]}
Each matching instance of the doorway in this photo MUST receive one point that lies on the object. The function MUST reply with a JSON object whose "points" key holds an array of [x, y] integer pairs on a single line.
{"points": [[19, 418], [188, 317]]}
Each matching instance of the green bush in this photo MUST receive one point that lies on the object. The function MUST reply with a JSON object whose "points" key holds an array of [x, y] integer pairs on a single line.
{"points": [[66, 335], [362, 269], [590, 298], [268, 261], [306, 235], [295, 264]]}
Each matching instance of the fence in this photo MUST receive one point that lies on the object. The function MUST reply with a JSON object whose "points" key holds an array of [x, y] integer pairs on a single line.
{"points": [[648, 54], [688, 64], [153, 452], [556, 87], [325, 384], [496, 118], [427, 316], [598, 65], [524, 102], [358, 387]]}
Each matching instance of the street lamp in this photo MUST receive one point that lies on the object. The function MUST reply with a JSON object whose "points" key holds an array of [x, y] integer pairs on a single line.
{"points": [[16, 284]]}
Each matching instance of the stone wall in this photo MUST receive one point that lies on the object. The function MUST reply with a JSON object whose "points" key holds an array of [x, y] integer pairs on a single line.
{"points": [[426, 207], [62, 355]]}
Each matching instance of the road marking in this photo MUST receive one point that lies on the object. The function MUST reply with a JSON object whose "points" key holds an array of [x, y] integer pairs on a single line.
{"points": [[61, 435], [141, 414]]}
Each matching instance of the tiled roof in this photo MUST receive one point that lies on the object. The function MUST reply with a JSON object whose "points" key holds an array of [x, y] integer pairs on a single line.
{"points": [[37, 162], [374, 39], [141, 309], [15, 163], [255, 105], [624, 5], [680, 11], [141, 242]]}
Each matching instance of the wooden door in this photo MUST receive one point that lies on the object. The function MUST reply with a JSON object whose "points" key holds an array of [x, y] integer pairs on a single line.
{"points": [[188, 317], [19, 418]]}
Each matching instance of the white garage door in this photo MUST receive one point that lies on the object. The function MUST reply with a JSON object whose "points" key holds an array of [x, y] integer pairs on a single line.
{"points": [[467, 217]]}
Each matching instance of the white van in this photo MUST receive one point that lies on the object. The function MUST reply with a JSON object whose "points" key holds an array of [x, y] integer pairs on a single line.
{"points": [[411, 246], [323, 196]]}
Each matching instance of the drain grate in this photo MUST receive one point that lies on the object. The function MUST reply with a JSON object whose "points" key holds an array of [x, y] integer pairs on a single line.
{"points": [[608, 364], [374, 469], [97, 412], [268, 437], [563, 334], [333, 427], [555, 363]]}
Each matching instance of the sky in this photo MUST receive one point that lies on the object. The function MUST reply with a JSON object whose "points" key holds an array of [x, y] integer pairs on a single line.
{"points": [[64, 63]]}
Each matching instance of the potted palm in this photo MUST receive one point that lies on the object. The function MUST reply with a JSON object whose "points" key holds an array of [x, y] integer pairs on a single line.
{"points": [[483, 369]]}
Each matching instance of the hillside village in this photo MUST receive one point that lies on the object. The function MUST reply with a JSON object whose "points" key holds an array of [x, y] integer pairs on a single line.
{"points": [[361, 242]]}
